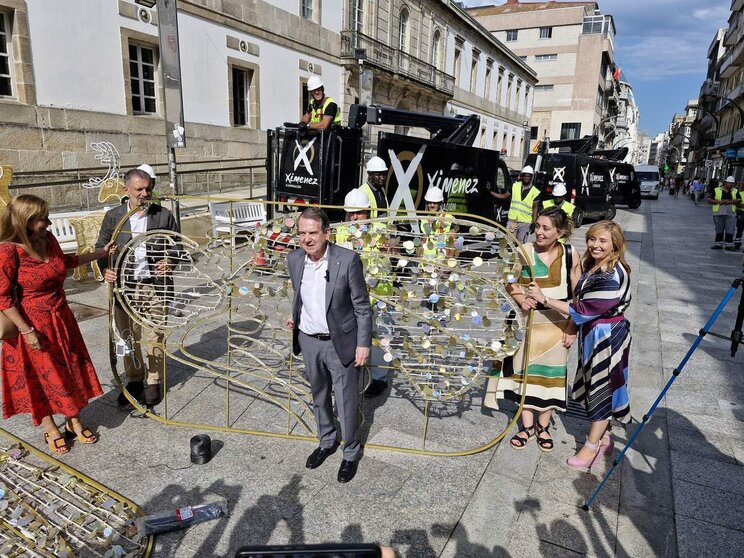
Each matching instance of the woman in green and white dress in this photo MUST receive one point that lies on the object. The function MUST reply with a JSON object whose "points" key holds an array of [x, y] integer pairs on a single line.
{"points": [[556, 272]]}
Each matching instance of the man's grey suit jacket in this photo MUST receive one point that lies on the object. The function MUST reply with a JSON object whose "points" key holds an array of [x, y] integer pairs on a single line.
{"points": [[348, 310]]}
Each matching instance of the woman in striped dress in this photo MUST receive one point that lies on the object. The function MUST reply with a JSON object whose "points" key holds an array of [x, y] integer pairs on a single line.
{"points": [[602, 296], [556, 271]]}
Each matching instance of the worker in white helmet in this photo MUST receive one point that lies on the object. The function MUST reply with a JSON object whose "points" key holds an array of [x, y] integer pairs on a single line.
{"points": [[374, 187], [356, 205], [559, 199], [323, 111], [525, 203], [435, 228]]}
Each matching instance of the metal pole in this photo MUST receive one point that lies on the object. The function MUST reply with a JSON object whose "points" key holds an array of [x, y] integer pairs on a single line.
{"points": [[174, 185]]}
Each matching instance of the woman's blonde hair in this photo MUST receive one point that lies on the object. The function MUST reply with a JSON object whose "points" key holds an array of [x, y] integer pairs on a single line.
{"points": [[618, 246], [18, 215]]}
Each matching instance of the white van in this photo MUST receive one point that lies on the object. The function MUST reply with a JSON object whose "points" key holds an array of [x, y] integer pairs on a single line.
{"points": [[648, 175]]}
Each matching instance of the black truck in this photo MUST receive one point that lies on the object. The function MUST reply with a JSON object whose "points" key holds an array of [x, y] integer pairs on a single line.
{"points": [[308, 166], [587, 178], [626, 184]]}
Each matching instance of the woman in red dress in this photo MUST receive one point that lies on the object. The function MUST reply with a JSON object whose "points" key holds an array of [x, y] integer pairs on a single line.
{"points": [[46, 368]]}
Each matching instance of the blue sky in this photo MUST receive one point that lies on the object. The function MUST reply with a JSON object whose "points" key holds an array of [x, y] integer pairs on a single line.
{"points": [[662, 48]]}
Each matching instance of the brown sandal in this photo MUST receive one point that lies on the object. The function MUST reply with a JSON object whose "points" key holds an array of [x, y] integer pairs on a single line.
{"points": [[86, 436], [56, 445]]}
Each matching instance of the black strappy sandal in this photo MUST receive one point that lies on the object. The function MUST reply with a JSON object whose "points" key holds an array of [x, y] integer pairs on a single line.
{"points": [[546, 444], [518, 442]]}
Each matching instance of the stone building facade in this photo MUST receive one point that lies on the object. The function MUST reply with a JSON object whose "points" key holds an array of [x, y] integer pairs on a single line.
{"points": [[77, 73], [571, 46]]}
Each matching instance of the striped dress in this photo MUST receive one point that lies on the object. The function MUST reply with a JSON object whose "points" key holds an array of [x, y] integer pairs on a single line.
{"points": [[546, 375], [604, 343]]}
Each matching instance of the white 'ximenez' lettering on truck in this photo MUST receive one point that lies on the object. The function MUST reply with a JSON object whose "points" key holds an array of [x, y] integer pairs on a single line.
{"points": [[451, 184]]}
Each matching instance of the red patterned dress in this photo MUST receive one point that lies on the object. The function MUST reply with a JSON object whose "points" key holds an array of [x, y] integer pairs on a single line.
{"points": [[59, 378]]}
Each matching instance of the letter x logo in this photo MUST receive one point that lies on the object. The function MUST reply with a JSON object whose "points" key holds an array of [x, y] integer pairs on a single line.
{"points": [[403, 192], [302, 156], [585, 180], [559, 174]]}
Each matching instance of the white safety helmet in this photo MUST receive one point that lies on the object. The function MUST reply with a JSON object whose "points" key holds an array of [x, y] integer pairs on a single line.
{"points": [[376, 164], [730, 179], [314, 83], [434, 195], [356, 200], [528, 170], [148, 169], [559, 189]]}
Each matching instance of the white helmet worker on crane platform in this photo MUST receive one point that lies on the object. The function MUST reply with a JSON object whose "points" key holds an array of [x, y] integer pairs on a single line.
{"points": [[374, 187], [323, 111], [525, 203]]}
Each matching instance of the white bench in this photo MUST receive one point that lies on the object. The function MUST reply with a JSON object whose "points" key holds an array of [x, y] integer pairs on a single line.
{"points": [[231, 217], [64, 231]]}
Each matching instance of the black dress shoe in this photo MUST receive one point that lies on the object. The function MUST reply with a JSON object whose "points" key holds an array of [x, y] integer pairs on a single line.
{"points": [[136, 389], [153, 395], [375, 388], [319, 455], [347, 470]]}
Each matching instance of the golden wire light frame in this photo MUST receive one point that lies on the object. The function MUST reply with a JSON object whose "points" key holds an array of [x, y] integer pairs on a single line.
{"points": [[442, 315], [48, 508]]}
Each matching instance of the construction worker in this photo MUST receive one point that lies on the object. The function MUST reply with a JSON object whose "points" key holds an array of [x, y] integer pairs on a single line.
{"points": [[376, 268], [524, 205], [374, 187], [323, 111], [739, 221], [435, 228], [559, 200], [724, 202]]}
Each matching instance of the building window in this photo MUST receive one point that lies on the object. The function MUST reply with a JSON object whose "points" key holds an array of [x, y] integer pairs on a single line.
{"points": [[458, 58], [509, 87], [487, 84], [523, 58], [403, 30], [542, 88], [499, 84], [6, 79], [511, 35], [600, 98], [241, 83], [533, 132], [356, 9], [546, 32], [142, 76], [306, 9], [570, 130], [473, 73], [545, 57], [436, 49]]}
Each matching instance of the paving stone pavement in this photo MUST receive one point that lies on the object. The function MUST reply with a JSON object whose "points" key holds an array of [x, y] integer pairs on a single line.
{"points": [[678, 493]]}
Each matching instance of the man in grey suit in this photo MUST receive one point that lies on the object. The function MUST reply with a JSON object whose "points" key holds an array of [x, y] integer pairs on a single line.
{"points": [[332, 328], [148, 283]]}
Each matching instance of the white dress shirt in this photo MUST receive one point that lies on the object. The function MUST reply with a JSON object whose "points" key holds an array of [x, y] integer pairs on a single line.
{"points": [[313, 294], [138, 226]]}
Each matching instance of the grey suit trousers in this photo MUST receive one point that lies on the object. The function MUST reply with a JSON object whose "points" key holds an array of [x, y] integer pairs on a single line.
{"points": [[324, 369]]}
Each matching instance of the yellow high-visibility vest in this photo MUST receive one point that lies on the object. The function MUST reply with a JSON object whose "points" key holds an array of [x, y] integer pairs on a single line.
{"points": [[367, 189], [438, 234], [718, 195], [316, 114], [566, 207], [520, 209]]}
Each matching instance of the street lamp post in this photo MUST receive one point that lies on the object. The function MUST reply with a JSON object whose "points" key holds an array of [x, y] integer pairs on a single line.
{"points": [[170, 65]]}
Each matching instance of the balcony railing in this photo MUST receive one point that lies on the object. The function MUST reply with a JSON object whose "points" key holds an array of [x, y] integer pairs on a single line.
{"points": [[396, 61]]}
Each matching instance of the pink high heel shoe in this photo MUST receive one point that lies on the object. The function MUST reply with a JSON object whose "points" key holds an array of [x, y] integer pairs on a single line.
{"points": [[606, 443], [585, 464]]}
